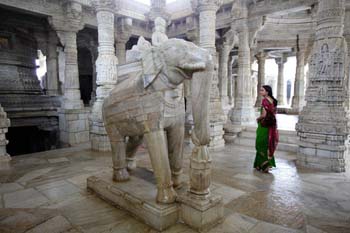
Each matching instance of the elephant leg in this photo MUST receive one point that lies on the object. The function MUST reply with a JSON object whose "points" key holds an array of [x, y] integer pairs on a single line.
{"points": [[131, 148], [157, 148], [118, 154], [175, 136]]}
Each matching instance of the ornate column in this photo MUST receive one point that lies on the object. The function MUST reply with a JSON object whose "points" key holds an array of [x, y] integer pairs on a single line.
{"points": [[323, 125], [298, 100], [207, 31], [243, 112], [74, 126], [51, 63], [230, 82], [122, 36], [223, 71], [106, 67], [280, 80], [261, 57], [4, 124], [199, 208]]}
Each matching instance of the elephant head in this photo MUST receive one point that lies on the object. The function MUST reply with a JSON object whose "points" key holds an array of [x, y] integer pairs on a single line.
{"points": [[172, 62]]}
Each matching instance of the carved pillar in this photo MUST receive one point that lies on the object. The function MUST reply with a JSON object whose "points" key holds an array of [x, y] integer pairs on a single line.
{"points": [[74, 126], [200, 209], [299, 84], [243, 112], [230, 81], [261, 57], [207, 18], [223, 71], [52, 63], [323, 125], [122, 35], [280, 80], [106, 66], [4, 124]]}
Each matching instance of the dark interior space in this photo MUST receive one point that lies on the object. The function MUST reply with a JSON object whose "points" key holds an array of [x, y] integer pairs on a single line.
{"points": [[29, 139], [85, 74]]}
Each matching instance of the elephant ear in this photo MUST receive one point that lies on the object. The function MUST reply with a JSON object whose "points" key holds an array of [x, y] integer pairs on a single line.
{"points": [[151, 66]]}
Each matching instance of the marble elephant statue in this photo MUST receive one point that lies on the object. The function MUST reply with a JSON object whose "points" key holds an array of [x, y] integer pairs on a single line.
{"points": [[149, 105]]}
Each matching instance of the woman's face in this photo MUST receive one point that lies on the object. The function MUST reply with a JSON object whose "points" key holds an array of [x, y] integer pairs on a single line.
{"points": [[263, 92]]}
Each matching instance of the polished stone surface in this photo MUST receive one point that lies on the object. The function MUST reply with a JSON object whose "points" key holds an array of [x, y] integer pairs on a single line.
{"points": [[37, 195]]}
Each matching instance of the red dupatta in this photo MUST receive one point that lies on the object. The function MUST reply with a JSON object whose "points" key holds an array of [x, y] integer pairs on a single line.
{"points": [[273, 133]]}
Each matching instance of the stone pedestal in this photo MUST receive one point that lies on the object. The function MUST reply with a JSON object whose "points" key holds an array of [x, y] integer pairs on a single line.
{"points": [[74, 126], [201, 214], [4, 124], [137, 196]]}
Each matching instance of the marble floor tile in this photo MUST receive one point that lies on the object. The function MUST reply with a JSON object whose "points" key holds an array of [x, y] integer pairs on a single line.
{"points": [[27, 198], [9, 187], [290, 199], [58, 160], [56, 224], [33, 174], [61, 190]]}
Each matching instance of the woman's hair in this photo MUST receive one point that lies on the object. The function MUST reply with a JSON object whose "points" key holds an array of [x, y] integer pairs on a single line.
{"points": [[268, 89]]}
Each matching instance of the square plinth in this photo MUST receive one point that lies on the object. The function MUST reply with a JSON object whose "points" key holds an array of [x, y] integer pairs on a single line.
{"points": [[201, 214], [137, 196]]}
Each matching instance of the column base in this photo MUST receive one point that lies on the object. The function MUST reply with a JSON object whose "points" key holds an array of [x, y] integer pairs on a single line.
{"points": [[243, 116], [74, 126], [232, 131], [323, 157], [201, 214], [216, 135], [99, 137]]}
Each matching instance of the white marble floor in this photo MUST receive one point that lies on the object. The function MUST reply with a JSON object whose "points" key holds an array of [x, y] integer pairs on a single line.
{"points": [[46, 192]]}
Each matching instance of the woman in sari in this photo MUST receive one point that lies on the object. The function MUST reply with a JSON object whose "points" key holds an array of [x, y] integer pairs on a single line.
{"points": [[266, 136]]}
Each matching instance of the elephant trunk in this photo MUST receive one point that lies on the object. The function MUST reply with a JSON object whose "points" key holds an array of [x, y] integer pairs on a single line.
{"points": [[200, 85]]}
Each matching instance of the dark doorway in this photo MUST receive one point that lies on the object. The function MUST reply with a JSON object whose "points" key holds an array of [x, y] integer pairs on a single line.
{"points": [[30, 139], [85, 74]]}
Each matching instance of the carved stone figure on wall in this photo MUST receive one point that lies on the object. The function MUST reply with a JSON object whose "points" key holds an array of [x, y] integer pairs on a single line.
{"points": [[159, 34], [146, 105]]}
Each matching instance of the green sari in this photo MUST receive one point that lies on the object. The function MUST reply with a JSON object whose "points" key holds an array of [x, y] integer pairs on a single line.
{"points": [[262, 160], [266, 142]]}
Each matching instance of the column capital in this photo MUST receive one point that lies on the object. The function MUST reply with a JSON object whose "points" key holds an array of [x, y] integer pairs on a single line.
{"points": [[104, 5], [261, 55], [123, 30], [158, 10], [206, 5], [281, 60], [71, 21]]}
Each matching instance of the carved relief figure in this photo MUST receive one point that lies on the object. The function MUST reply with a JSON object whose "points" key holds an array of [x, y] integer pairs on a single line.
{"points": [[159, 35], [146, 106]]}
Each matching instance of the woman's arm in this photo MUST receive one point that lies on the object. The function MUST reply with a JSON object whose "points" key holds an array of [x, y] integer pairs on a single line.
{"points": [[262, 115]]}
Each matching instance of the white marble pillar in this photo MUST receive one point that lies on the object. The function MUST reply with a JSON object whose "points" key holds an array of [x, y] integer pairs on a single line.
{"points": [[261, 57], [243, 112], [223, 71], [323, 126], [280, 80], [106, 67], [73, 122], [230, 82], [52, 65], [298, 100], [207, 32], [4, 124], [120, 47]]}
